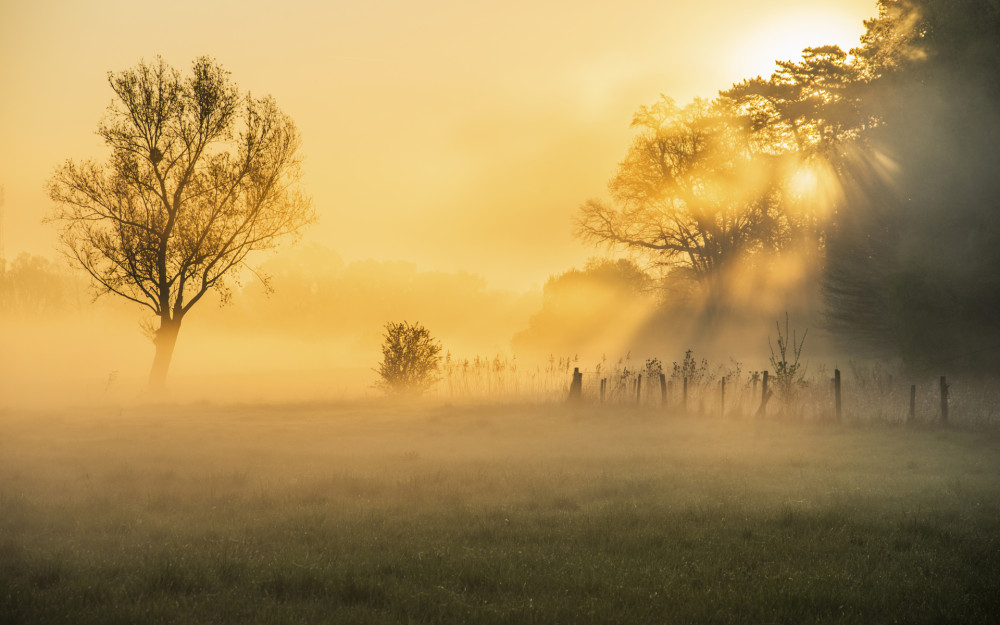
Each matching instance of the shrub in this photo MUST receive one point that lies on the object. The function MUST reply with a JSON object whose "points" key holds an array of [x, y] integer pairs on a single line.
{"points": [[410, 359], [788, 371]]}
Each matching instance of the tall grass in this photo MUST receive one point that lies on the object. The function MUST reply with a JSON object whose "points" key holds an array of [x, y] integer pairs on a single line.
{"points": [[871, 392], [501, 378]]}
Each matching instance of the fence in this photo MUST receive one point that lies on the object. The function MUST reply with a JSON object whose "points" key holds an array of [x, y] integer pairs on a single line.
{"points": [[976, 403], [862, 395], [720, 394]]}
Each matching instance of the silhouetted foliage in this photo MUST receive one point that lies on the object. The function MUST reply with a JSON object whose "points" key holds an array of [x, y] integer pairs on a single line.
{"points": [[199, 177], [786, 360], [410, 359], [913, 267], [691, 369], [811, 107], [908, 127], [692, 193]]}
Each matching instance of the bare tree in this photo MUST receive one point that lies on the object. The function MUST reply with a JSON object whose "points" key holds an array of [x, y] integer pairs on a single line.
{"points": [[199, 177]]}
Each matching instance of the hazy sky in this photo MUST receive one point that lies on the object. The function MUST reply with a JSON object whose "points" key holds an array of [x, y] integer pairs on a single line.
{"points": [[455, 134]]}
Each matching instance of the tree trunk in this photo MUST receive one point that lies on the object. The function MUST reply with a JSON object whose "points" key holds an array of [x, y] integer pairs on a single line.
{"points": [[166, 337]]}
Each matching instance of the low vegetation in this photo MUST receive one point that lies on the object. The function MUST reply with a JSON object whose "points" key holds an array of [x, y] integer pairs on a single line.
{"points": [[410, 359], [381, 513]]}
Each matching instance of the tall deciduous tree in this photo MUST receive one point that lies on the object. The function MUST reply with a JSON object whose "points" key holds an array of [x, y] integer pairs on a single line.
{"points": [[200, 176], [691, 192]]}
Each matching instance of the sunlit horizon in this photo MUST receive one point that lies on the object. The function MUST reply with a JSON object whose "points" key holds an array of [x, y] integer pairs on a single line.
{"points": [[460, 139]]}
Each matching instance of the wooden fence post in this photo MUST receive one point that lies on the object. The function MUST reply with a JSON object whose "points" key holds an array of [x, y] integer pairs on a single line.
{"points": [[663, 389], [913, 402], [764, 396], [722, 402], [836, 394], [638, 389], [576, 387], [944, 400]]}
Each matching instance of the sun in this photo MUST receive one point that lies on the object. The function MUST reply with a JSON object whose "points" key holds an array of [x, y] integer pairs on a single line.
{"points": [[783, 37], [804, 182], [813, 187]]}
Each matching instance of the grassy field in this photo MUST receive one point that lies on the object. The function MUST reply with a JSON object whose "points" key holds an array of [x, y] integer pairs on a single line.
{"points": [[373, 513]]}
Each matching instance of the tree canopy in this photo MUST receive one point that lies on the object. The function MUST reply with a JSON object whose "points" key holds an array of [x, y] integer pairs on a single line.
{"points": [[692, 192], [904, 129], [199, 177], [913, 267]]}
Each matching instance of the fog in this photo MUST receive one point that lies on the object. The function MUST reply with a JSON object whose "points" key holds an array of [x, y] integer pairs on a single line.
{"points": [[875, 236], [315, 334], [437, 335]]}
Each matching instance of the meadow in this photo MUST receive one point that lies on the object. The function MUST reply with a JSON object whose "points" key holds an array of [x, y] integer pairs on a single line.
{"points": [[436, 512]]}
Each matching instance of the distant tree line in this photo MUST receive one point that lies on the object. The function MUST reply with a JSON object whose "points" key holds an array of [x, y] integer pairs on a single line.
{"points": [[588, 311], [33, 286]]}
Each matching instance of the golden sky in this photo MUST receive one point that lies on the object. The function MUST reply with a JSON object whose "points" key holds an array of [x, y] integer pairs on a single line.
{"points": [[459, 135]]}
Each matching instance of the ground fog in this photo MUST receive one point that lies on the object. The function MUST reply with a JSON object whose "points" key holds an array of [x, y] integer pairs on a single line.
{"points": [[373, 512]]}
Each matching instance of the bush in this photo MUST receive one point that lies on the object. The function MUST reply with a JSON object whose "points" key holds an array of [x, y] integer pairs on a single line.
{"points": [[788, 372], [410, 359]]}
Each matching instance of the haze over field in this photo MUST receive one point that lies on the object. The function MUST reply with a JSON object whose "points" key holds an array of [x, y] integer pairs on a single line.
{"points": [[474, 168], [503, 312]]}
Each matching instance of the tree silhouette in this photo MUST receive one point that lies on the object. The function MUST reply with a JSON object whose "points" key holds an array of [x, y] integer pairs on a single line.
{"points": [[912, 266], [904, 130], [692, 193], [810, 107], [199, 177]]}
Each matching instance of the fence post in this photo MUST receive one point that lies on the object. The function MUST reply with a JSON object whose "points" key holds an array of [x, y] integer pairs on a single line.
{"points": [[638, 389], [836, 394], [764, 396], [684, 397], [913, 402], [576, 387], [722, 403], [604, 385], [944, 400], [663, 389]]}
